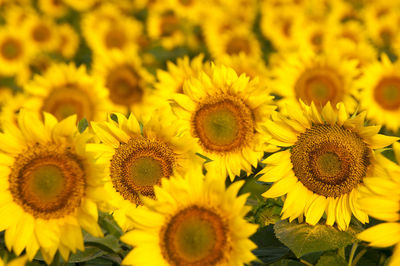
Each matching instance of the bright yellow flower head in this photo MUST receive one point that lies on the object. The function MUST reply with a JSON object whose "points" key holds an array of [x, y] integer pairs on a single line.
{"points": [[50, 186], [107, 28], [381, 200], [68, 41], [194, 221], [64, 90], [224, 114], [380, 92], [328, 156], [318, 78], [137, 158], [127, 81], [53, 8]]}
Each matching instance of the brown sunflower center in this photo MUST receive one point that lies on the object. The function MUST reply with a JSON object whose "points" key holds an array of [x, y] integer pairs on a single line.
{"points": [[115, 38], [223, 123], [238, 44], [330, 160], [169, 24], [41, 33], [48, 181], [387, 93], [195, 236], [68, 100], [319, 85], [11, 48], [139, 165], [124, 85]]}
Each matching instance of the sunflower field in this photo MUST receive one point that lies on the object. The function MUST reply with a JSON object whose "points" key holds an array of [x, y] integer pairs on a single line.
{"points": [[199, 132]]}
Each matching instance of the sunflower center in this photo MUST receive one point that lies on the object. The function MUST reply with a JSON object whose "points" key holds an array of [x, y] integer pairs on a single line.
{"points": [[223, 124], [41, 33], [115, 38], [124, 85], [238, 44], [387, 93], [319, 85], [68, 100], [194, 236], [186, 2], [330, 160], [146, 171], [138, 165], [48, 181], [11, 49], [169, 24]]}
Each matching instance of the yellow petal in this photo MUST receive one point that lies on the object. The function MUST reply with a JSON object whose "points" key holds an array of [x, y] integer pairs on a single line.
{"points": [[380, 141], [382, 235], [281, 187], [316, 210]]}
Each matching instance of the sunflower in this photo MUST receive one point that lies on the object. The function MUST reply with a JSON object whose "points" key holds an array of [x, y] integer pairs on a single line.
{"points": [[53, 8], [50, 186], [107, 28], [68, 41], [166, 27], [380, 92], [41, 32], [224, 114], [251, 66], [64, 90], [10, 106], [315, 78], [81, 5], [14, 51], [137, 158], [328, 156], [171, 81], [126, 80], [380, 200], [238, 40], [194, 221], [281, 25]]}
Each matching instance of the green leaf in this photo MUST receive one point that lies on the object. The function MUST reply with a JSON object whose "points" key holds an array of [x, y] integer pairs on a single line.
{"points": [[269, 249], [107, 223], [82, 125], [287, 262], [89, 253], [303, 238], [109, 243], [330, 259]]}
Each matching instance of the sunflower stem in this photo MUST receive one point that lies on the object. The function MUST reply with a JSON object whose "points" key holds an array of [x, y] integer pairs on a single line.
{"points": [[352, 252], [305, 262], [358, 257]]}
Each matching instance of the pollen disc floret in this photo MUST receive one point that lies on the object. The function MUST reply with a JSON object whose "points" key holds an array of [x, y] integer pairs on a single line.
{"points": [[48, 181], [138, 165], [194, 236], [195, 220], [330, 160], [223, 124], [328, 156]]}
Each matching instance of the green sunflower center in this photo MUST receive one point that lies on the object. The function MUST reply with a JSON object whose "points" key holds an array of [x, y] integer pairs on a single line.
{"points": [[330, 160], [48, 181], [223, 124], [146, 171], [68, 100], [319, 85], [123, 82], [140, 164], [194, 236], [11, 49], [387, 93]]}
